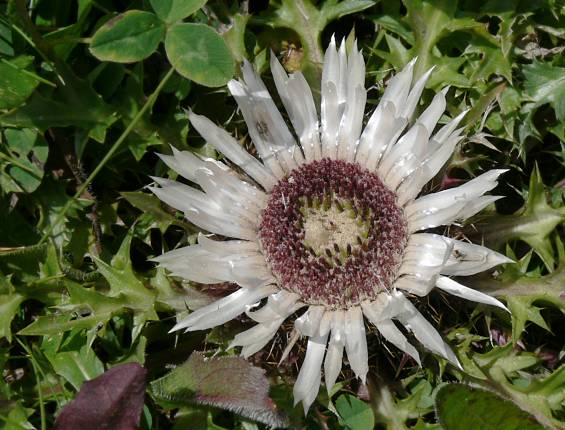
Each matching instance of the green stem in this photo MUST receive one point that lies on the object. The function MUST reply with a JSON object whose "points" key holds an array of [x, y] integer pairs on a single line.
{"points": [[39, 392], [150, 100]]}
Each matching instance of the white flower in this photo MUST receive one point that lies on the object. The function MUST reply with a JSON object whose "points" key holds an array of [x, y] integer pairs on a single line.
{"points": [[332, 224]]}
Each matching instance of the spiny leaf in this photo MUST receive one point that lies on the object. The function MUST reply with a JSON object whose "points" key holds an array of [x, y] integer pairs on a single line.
{"points": [[121, 277], [546, 84], [71, 357], [533, 223], [522, 292]]}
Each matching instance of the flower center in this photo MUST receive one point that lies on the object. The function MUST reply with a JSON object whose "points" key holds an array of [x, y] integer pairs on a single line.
{"points": [[333, 229], [333, 233]]}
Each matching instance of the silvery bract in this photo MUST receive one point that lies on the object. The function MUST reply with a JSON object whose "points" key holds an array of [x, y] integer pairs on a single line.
{"points": [[331, 226]]}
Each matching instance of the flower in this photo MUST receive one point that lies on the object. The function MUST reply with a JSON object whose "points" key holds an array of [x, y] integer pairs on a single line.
{"points": [[333, 224]]}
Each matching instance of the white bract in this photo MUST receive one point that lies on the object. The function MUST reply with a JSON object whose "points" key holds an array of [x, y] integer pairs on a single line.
{"points": [[329, 226]]}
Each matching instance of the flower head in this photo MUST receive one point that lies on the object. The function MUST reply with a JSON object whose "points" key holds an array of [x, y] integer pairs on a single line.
{"points": [[332, 226]]}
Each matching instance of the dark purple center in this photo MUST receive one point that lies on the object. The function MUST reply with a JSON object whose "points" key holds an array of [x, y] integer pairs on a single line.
{"points": [[333, 233]]}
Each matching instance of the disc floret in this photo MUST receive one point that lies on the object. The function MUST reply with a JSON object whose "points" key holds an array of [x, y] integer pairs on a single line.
{"points": [[333, 233]]}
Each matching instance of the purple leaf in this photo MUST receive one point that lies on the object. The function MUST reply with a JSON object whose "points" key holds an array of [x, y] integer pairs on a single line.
{"points": [[112, 401], [229, 383]]}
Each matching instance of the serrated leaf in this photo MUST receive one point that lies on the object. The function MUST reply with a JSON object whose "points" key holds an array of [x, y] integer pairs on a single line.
{"points": [[54, 324], [355, 414], [71, 357], [428, 21], [533, 223], [118, 395], [546, 84], [461, 407], [174, 10], [523, 310], [125, 284], [129, 37], [492, 60], [122, 279], [198, 53], [521, 292], [225, 382], [309, 21], [86, 309]]}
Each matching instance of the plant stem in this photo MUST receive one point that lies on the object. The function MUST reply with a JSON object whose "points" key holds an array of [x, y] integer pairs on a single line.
{"points": [[150, 100], [39, 392]]}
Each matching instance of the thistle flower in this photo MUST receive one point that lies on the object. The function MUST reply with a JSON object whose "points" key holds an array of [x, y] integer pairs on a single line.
{"points": [[332, 226]]}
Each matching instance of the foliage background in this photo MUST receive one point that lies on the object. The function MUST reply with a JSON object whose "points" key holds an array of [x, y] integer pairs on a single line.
{"points": [[88, 99]]}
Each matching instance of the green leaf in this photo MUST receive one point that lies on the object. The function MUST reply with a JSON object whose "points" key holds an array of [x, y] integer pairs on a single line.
{"points": [[533, 223], [15, 416], [129, 37], [10, 303], [229, 383], [21, 160], [492, 60], [309, 21], [461, 407], [86, 309], [52, 197], [122, 279], [124, 283], [235, 36], [15, 85], [198, 53], [521, 292], [174, 10], [55, 324], [42, 112], [504, 368], [6, 39], [546, 84], [355, 414], [337, 9], [72, 359], [151, 205], [429, 20]]}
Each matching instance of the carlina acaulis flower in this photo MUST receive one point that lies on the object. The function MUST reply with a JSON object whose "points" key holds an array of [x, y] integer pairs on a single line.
{"points": [[332, 226]]}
